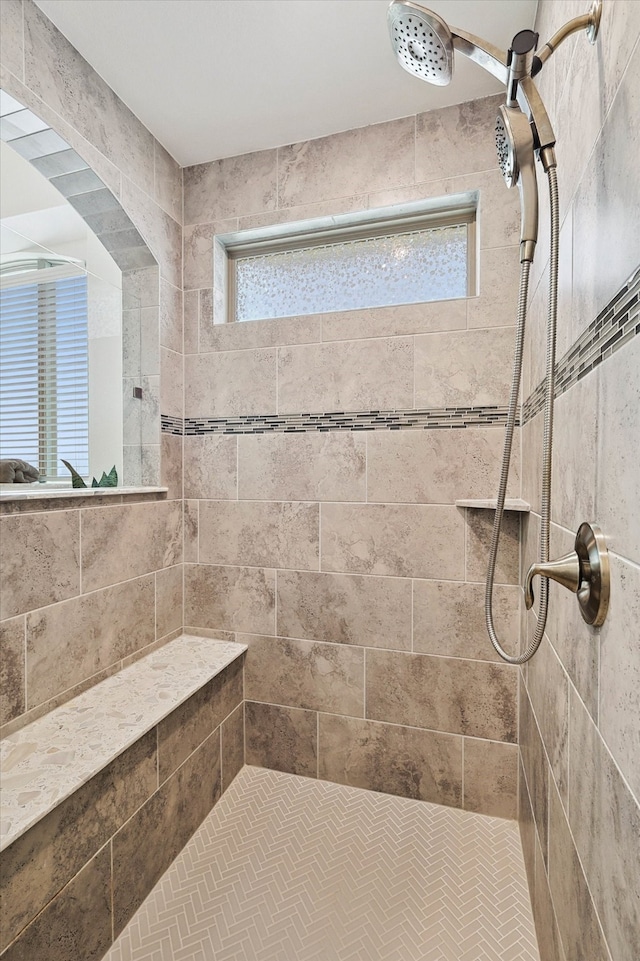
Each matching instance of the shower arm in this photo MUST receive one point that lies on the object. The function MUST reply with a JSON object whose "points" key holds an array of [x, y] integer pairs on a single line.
{"points": [[588, 21]]}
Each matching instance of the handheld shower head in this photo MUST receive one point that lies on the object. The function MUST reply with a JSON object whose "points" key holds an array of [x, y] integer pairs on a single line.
{"points": [[422, 42], [515, 149]]}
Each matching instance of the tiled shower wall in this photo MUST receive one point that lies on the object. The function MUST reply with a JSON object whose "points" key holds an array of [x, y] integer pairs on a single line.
{"points": [[336, 552], [579, 697], [87, 587]]}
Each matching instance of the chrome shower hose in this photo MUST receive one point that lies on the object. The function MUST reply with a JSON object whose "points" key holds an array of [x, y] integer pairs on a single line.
{"points": [[545, 507]]}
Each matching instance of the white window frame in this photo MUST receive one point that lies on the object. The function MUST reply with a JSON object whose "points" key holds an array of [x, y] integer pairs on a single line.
{"points": [[420, 215]]}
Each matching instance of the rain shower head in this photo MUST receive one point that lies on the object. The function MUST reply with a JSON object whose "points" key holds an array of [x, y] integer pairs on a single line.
{"points": [[422, 41]]}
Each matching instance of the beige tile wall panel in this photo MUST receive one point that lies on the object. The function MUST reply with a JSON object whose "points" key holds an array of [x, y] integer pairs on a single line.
{"points": [[546, 923], [147, 844], [40, 560], [75, 639], [230, 187], [281, 738], [167, 177], [548, 688], [357, 375], [169, 600], [444, 694], [306, 467], [123, 542], [436, 466], [210, 466], [230, 598], [449, 619], [260, 534], [229, 383], [345, 609], [401, 540], [497, 303], [344, 164], [573, 491], [453, 140], [479, 526], [76, 924], [490, 777], [424, 765], [41, 862], [232, 742], [171, 382], [304, 674], [605, 824], [171, 464], [395, 321], [160, 231], [277, 332], [463, 368], [536, 768], [11, 39], [190, 523], [12, 668]]}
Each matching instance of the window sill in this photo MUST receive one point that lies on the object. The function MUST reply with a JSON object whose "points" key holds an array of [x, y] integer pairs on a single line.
{"points": [[43, 496]]}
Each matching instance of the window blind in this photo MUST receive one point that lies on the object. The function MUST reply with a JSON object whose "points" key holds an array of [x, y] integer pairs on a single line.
{"points": [[44, 383]]}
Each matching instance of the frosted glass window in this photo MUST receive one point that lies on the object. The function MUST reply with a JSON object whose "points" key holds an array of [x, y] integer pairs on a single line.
{"points": [[379, 271]]}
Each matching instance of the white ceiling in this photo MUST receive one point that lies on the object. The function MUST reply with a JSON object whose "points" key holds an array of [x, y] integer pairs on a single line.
{"points": [[216, 78]]}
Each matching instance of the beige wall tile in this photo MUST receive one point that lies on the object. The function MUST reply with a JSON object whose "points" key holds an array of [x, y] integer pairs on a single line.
{"points": [[167, 182], [70, 642], [232, 740], [619, 715], [40, 560], [536, 769], [369, 158], [190, 522], [547, 933], [191, 723], [318, 677], [161, 232], [171, 399], [324, 467], [490, 778], [197, 249], [119, 543], [230, 598], [258, 534], [528, 836], [449, 619], [345, 609], [147, 844], [210, 466], [169, 600], [455, 140], [437, 466], [385, 757], [443, 694], [497, 303], [171, 464], [75, 924], [231, 187], [573, 490], [231, 382], [12, 671], [41, 862], [463, 368], [11, 37], [605, 823], [281, 738], [249, 334], [395, 321], [548, 687], [577, 919], [618, 485], [479, 527], [405, 540], [192, 320], [356, 375]]}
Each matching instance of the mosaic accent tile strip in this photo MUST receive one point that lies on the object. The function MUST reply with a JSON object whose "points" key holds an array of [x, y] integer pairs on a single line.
{"points": [[423, 419], [614, 327], [287, 868], [172, 425]]}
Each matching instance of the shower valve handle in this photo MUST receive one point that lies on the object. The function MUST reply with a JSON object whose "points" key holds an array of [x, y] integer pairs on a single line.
{"points": [[584, 571]]}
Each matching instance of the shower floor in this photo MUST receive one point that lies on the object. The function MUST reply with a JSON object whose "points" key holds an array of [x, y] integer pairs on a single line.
{"points": [[287, 868]]}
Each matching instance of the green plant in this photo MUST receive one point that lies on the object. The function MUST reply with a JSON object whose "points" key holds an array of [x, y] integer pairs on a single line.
{"points": [[107, 480]]}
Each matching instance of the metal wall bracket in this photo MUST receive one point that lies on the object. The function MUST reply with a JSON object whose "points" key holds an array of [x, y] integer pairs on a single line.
{"points": [[585, 571]]}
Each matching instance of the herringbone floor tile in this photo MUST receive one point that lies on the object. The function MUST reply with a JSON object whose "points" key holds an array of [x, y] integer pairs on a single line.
{"points": [[287, 868]]}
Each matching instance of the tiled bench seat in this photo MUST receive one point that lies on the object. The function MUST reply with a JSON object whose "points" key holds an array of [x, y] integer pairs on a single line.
{"points": [[99, 795]]}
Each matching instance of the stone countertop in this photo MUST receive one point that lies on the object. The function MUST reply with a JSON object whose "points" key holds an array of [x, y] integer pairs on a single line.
{"points": [[45, 762]]}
